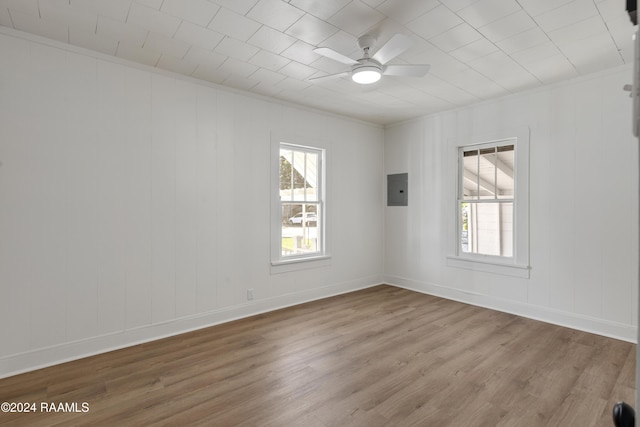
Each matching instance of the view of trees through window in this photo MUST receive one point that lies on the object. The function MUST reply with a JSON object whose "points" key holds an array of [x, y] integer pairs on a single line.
{"points": [[300, 199]]}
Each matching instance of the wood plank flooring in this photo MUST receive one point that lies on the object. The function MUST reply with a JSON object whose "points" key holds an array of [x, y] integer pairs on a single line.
{"points": [[379, 357]]}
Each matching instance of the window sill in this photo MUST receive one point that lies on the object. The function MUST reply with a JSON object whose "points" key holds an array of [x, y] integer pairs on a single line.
{"points": [[489, 266], [295, 264]]}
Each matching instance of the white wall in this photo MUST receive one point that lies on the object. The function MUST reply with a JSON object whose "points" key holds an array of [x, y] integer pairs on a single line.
{"points": [[124, 214], [583, 205], [135, 204]]}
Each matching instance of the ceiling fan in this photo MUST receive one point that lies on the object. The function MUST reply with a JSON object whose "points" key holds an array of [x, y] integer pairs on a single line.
{"points": [[369, 69]]}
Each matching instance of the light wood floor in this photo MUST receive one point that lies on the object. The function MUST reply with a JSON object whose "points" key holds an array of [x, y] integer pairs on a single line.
{"points": [[381, 356]]}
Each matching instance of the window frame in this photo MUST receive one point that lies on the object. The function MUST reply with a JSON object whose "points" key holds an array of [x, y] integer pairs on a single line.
{"points": [[518, 264], [280, 263], [495, 200]]}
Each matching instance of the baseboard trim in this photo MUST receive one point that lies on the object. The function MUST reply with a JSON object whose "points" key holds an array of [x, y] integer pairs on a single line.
{"points": [[589, 324], [44, 357]]}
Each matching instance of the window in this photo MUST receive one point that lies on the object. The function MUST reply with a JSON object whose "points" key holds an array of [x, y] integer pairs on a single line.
{"points": [[485, 199], [489, 224], [301, 206]]}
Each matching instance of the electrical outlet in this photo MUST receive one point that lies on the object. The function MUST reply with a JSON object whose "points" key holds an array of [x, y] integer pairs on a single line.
{"points": [[249, 294]]}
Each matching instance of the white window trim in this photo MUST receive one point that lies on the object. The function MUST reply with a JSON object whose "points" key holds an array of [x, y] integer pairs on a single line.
{"points": [[518, 265], [302, 262]]}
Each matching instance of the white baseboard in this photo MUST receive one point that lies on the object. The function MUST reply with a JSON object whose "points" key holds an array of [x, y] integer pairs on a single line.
{"points": [[44, 357], [593, 325], [49, 356]]}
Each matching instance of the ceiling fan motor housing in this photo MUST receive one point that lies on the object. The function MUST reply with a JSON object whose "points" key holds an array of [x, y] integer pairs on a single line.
{"points": [[365, 42]]}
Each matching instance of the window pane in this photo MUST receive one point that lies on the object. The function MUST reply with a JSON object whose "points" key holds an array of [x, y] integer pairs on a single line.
{"points": [[470, 174], [298, 172], [486, 228], [300, 231], [504, 173], [311, 177], [487, 173], [286, 174], [299, 175]]}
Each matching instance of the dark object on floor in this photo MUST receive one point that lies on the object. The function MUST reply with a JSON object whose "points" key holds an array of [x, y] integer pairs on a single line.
{"points": [[624, 415]]}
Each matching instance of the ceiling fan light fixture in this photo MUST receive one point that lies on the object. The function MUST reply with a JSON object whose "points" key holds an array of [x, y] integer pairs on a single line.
{"points": [[366, 74], [369, 69]]}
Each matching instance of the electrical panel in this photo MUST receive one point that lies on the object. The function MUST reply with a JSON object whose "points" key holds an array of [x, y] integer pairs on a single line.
{"points": [[397, 194]]}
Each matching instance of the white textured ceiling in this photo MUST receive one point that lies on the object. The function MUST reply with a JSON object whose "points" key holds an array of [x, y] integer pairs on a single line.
{"points": [[478, 49]]}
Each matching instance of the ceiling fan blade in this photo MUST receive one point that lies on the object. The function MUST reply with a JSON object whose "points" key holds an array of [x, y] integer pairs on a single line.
{"points": [[407, 70], [336, 56], [331, 76], [394, 47]]}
